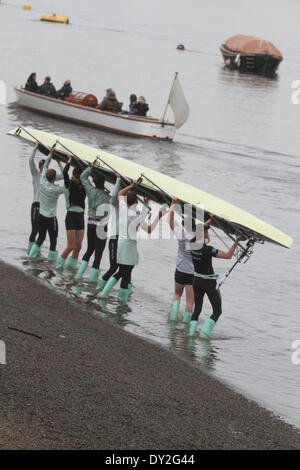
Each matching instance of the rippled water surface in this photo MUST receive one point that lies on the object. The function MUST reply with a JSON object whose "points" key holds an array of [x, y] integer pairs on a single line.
{"points": [[241, 143]]}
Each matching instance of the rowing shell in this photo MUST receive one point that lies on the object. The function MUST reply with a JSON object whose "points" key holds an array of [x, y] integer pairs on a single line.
{"points": [[161, 188]]}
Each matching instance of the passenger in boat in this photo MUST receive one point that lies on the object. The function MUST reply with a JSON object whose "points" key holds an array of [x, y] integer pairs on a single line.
{"points": [[65, 90], [31, 84], [205, 281], [110, 103], [132, 101], [47, 222], [48, 89], [127, 255], [140, 108], [184, 273], [75, 197], [98, 214]]}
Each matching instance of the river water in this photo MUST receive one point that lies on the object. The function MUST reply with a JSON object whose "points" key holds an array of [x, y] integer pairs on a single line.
{"points": [[241, 144]]}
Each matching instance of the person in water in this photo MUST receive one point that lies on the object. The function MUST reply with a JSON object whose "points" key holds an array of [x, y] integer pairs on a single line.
{"points": [[97, 221], [31, 84], [65, 90], [127, 254], [35, 206], [205, 281], [184, 273], [47, 221], [114, 236], [75, 203], [48, 89]]}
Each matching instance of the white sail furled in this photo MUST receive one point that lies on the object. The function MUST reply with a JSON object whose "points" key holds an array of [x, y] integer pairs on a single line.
{"points": [[179, 104]]}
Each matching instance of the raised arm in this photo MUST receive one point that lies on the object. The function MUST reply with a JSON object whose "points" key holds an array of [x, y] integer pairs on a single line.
{"points": [[84, 178], [33, 169], [66, 172], [115, 191], [171, 220], [123, 193], [229, 254]]}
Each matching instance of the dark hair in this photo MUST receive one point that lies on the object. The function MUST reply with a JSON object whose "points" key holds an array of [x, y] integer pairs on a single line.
{"points": [[99, 181], [31, 75], [51, 175], [132, 98], [41, 163], [77, 171], [131, 198], [189, 222]]}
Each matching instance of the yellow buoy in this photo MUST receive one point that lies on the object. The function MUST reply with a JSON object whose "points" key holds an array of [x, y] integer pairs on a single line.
{"points": [[26, 7], [55, 19]]}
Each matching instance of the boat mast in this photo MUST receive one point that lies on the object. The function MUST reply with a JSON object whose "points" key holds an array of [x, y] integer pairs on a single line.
{"points": [[172, 87]]}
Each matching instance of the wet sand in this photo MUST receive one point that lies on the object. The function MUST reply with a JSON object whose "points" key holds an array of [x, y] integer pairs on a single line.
{"points": [[72, 381]]}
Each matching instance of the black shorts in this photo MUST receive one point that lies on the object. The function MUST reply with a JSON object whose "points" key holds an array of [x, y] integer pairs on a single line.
{"points": [[74, 220], [184, 278]]}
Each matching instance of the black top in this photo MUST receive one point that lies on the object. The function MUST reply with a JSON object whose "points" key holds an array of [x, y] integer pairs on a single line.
{"points": [[139, 109], [48, 89], [76, 191], [202, 257], [65, 91], [31, 85]]}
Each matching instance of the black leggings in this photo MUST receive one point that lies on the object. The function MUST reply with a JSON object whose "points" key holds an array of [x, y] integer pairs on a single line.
{"points": [[124, 273], [95, 244], [35, 211], [50, 225], [113, 249], [208, 287]]}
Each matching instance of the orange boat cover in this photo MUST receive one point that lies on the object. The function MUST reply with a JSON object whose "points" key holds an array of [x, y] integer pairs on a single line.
{"points": [[252, 44]]}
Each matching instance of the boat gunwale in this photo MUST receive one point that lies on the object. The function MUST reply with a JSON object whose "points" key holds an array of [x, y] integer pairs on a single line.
{"points": [[225, 50]]}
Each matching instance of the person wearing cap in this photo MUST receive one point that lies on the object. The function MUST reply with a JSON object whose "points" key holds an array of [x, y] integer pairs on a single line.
{"points": [[65, 90], [110, 103], [48, 89], [205, 280]]}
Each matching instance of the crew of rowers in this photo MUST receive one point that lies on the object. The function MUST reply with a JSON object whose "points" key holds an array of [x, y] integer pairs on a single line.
{"points": [[194, 272], [137, 106]]}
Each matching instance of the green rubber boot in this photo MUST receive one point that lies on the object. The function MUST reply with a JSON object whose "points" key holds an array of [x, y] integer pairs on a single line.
{"points": [[112, 281], [94, 274], [193, 327], [82, 268], [101, 284], [30, 245], [130, 288], [175, 310], [123, 294], [52, 255], [35, 251], [72, 263], [187, 317], [207, 328], [60, 263]]}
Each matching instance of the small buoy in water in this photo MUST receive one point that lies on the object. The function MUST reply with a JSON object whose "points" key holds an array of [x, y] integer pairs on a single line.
{"points": [[55, 19], [26, 7], [181, 47]]}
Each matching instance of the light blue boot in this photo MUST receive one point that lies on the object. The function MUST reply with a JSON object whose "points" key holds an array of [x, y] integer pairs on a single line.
{"points": [[207, 328], [52, 255], [82, 268], [101, 284], [30, 245], [187, 317], [112, 281], [72, 263], [35, 251], [94, 274], [175, 310], [123, 294], [130, 288], [60, 263], [193, 327]]}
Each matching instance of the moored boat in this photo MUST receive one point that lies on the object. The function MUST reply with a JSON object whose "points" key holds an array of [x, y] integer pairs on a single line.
{"points": [[80, 108], [251, 54]]}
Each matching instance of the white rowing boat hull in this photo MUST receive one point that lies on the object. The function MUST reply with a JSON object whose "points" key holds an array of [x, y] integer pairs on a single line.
{"points": [[125, 124]]}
